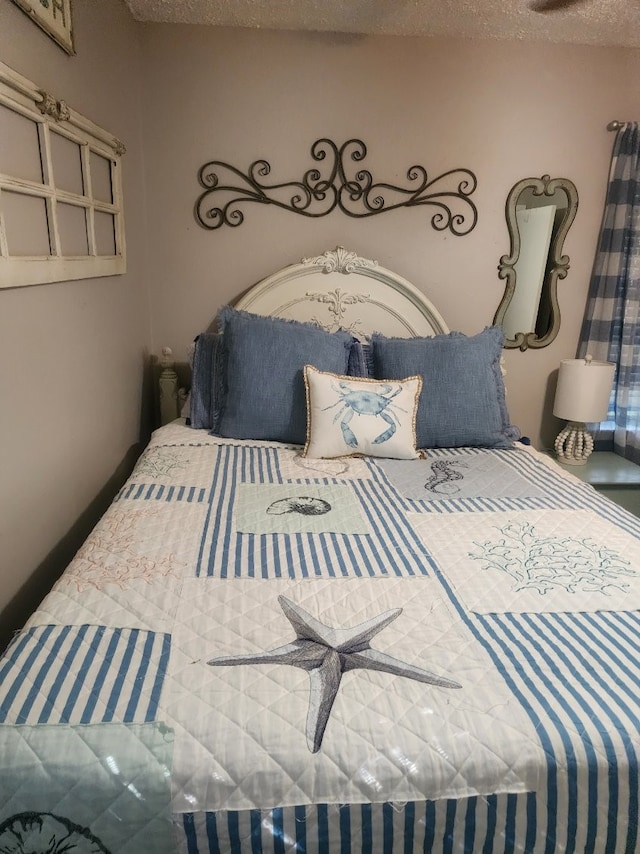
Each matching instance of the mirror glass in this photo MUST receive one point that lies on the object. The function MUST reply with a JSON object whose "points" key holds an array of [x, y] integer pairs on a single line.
{"points": [[539, 213]]}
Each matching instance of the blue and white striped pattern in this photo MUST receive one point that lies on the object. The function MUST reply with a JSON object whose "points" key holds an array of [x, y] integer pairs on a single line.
{"points": [[392, 548], [496, 823], [576, 674], [611, 326], [83, 675], [560, 493], [161, 492], [521, 461]]}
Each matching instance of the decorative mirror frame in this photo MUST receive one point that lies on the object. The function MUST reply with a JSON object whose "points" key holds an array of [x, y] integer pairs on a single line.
{"points": [[558, 269]]}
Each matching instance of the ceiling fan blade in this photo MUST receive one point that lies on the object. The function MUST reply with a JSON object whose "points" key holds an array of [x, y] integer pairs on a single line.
{"points": [[552, 5]]}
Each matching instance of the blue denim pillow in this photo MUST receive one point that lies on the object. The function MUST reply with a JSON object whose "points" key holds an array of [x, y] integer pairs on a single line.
{"points": [[264, 385], [207, 377], [358, 364], [463, 400]]}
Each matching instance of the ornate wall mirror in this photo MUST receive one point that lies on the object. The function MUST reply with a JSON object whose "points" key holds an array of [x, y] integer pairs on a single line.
{"points": [[539, 213]]}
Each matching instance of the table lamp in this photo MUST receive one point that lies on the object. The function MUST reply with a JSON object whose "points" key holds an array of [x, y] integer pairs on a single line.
{"points": [[582, 396]]}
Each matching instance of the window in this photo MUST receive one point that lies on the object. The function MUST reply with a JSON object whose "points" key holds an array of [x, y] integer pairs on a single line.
{"points": [[60, 190]]}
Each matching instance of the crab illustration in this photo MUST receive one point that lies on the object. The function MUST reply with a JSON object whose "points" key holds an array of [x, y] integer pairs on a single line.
{"points": [[377, 403]]}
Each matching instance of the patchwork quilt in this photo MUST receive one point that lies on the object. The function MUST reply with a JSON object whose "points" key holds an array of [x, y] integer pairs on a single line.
{"points": [[254, 651]]}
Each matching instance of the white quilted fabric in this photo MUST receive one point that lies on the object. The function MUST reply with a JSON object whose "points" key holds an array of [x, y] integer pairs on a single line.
{"points": [[110, 778], [129, 571], [535, 561], [150, 607], [240, 730], [190, 466], [112, 717], [177, 433]]}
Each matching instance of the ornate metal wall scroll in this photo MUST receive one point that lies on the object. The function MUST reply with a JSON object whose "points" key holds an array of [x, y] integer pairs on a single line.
{"points": [[337, 184]]}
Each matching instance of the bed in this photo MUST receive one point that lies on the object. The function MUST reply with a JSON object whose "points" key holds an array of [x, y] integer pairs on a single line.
{"points": [[321, 646]]}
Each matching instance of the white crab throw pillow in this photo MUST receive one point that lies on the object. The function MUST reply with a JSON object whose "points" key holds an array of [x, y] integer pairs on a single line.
{"points": [[347, 416]]}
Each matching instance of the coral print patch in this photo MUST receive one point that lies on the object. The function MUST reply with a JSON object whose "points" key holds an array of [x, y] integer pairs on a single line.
{"points": [[535, 561]]}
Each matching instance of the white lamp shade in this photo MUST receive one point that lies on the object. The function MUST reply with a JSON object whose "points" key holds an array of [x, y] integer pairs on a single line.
{"points": [[583, 390]]}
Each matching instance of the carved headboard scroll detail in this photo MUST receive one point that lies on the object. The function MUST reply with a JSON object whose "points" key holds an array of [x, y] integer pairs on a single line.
{"points": [[342, 290]]}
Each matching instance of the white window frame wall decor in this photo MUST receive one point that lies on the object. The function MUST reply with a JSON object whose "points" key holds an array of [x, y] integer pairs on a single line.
{"points": [[51, 117]]}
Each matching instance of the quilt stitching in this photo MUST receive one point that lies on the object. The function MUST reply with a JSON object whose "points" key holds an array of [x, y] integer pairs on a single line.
{"points": [[326, 654], [261, 694], [542, 488], [390, 548], [139, 799], [85, 674], [539, 561], [573, 673], [545, 563]]}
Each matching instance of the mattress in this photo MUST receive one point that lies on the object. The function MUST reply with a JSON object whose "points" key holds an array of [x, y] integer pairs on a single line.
{"points": [[255, 651]]}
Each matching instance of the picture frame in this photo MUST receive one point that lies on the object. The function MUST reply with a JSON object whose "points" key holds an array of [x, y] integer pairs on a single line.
{"points": [[54, 17]]}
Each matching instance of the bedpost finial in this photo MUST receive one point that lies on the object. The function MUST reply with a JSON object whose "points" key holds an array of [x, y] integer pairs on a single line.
{"points": [[168, 385]]}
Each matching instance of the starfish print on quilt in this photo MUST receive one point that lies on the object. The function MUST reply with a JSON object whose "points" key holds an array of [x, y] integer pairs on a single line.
{"points": [[326, 653]]}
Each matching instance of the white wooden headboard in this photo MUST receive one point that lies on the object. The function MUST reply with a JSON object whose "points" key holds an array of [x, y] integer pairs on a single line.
{"points": [[340, 290], [335, 290]]}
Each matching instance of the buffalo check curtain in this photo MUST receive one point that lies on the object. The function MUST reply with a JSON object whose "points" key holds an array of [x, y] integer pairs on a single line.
{"points": [[611, 326]]}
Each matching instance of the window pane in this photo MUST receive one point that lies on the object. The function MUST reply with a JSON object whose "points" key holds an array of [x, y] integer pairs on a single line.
{"points": [[104, 225], [67, 164], [26, 224], [72, 228], [101, 178], [19, 146]]}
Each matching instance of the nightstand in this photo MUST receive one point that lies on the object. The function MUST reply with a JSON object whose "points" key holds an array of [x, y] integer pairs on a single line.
{"points": [[613, 476]]}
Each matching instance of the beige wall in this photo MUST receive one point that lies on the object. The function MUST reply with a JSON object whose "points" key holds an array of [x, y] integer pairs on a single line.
{"points": [[71, 353], [506, 110]]}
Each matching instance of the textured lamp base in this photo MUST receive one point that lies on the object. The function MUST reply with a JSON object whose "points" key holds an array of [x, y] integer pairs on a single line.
{"points": [[574, 444]]}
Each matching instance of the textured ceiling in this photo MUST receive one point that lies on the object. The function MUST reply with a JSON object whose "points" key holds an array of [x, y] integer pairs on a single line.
{"points": [[597, 22]]}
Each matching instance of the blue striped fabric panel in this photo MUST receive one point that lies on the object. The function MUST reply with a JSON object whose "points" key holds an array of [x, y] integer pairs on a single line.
{"points": [[558, 492], [161, 492], [392, 548], [575, 675], [83, 675], [496, 823], [561, 493]]}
